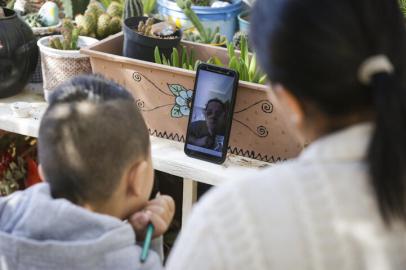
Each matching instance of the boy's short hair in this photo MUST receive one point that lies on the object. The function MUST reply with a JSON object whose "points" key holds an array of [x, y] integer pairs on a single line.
{"points": [[90, 132]]}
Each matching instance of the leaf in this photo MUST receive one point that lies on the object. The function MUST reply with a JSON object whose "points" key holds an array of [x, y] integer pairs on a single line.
{"points": [[230, 50], [175, 58], [252, 68], [233, 63], [262, 80], [175, 112], [184, 60], [164, 60], [217, 61], [157, 55], [192, 58], [176, 89]]}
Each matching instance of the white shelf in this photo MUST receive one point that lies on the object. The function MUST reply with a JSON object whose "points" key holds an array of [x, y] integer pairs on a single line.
{"points": [[167, 155]]}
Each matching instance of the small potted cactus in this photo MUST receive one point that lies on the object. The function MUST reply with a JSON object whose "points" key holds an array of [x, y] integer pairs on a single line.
{"points": [[61, 58], [142, 35], [203, 35], [99, 23]]}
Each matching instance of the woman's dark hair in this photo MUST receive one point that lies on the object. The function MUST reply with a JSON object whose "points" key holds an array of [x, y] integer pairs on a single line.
{"points": [[315, 48]]}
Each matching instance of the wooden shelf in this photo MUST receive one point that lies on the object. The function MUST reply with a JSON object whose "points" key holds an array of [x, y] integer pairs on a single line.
{"points": [[167, 155]]}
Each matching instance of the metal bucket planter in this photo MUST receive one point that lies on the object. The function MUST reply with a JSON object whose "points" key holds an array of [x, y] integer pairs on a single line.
{"points": [[259, 129], [224, 17]]}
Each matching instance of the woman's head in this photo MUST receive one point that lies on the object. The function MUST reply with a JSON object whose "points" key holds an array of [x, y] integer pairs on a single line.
{"points": [[315, 49]]}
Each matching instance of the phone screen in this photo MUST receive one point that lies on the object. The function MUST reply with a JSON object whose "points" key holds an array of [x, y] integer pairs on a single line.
{"points": [[211, 115]]}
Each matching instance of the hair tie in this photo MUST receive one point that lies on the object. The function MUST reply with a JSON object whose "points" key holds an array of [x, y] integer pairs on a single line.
{"points": [[374, 65]]}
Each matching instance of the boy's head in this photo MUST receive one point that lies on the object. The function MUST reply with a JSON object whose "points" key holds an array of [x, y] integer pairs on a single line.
{"points": [[94, 148]]}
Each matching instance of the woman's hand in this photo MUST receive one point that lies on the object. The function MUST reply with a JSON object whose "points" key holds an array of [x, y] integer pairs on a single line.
{"points": [[159, 212]]}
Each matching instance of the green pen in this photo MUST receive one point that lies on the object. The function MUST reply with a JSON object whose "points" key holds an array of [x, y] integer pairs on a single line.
{"points": [[147, 243]]}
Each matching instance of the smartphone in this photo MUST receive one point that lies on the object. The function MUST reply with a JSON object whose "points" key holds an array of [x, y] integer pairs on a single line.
{"points": [[211, 113]]}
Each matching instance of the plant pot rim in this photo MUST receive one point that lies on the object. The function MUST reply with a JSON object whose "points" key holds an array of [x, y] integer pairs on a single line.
{"points": [[82, 41], [242, 15], [163, 42], [203, 9], [12, 16]]}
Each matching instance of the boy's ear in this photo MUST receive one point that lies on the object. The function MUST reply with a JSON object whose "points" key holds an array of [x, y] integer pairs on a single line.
{"points": [[41, 173], [135, 177], [293, 105]]}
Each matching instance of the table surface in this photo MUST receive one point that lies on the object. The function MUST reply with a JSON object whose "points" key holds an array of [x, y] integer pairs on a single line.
{"points": [[167, 155]]}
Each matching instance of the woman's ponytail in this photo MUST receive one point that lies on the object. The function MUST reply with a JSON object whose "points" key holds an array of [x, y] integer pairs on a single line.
{"points": [[387, 150]]}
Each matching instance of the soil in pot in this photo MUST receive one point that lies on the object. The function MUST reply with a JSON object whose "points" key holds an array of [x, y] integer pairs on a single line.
{"points": [[140, 46]]}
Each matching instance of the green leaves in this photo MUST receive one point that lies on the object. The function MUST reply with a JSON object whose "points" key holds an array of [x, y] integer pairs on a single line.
{"points": [[180, 61]]}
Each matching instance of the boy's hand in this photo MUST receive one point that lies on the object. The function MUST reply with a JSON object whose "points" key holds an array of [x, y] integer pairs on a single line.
{"points": [[159, 212]]}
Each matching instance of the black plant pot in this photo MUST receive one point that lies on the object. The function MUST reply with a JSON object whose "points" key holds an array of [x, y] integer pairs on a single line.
{"points": [[142, 47], [18, 54]]}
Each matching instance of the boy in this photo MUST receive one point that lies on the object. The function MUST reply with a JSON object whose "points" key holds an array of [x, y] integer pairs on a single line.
{"points": [[94, 151]]}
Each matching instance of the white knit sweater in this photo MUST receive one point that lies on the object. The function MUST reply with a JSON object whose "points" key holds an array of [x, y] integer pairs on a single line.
{"points": [[314, 212]]}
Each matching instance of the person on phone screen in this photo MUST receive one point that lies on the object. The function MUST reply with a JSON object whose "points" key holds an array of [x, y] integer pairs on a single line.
{"points": [[209, 133]]}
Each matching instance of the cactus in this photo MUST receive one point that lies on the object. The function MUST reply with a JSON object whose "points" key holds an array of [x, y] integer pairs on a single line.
{"points": [[115, 9], [74, 7], [33, 20], [206, 36], [144, 28], [115, 25], [149, 6], [237, 39], [70, 35], [133, 8], [103, 23], [95, 8]]}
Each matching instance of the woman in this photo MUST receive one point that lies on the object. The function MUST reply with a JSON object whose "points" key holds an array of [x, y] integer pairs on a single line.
{"points": [[340, 67]]}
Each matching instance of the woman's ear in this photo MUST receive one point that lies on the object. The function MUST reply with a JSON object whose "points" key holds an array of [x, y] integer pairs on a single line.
{"points": [[291, 104]]}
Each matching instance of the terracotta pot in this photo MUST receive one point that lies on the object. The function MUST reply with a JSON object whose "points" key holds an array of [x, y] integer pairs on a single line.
{"points": [[18, 54], [259, 129]]}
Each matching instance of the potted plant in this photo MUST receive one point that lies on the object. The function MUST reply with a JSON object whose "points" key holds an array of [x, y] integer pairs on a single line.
{"points": [[61, 58], [143, 34], [222, 14], [244, 21], [204, 35], [259, 128], [98, 22], [18, 53]]}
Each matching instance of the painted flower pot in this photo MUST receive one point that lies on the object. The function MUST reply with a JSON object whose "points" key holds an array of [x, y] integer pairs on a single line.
{"points": [[163, 95]]}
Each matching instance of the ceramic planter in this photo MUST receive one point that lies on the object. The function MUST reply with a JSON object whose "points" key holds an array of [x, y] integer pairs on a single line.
{"points": [[243, 21], [142, 47], [18, 54], [60, 65], [259, 129]]}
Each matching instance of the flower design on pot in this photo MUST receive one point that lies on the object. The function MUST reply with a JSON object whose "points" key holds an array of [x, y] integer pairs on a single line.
{"points": [[183, 99]]}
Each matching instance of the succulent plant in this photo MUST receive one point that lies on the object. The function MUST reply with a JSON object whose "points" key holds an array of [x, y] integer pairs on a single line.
{"points": [[70, 34], [237, 39], [149, 6], [180, 60], [144, 28], [115, 9], [97, 23], [34, 20], [74, 7], [246, 67], [133, 8], [201, 2], [207, 36]]}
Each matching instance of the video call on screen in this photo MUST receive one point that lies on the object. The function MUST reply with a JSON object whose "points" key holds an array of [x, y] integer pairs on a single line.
{"points": [[208, 124]]}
